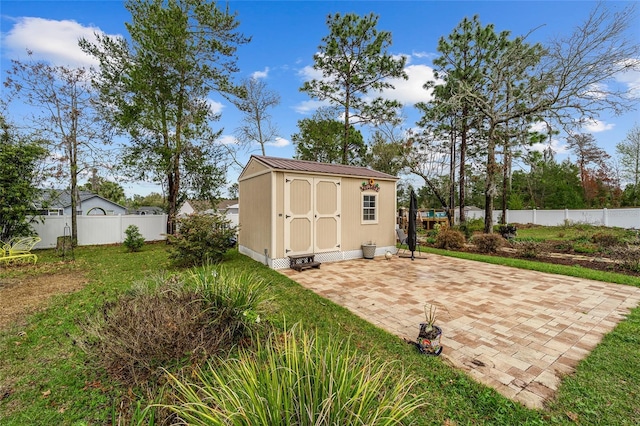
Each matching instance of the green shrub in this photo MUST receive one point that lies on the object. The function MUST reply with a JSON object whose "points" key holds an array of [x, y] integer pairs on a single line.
{"points": [[450, 239], [605, 240], [529, 249], [134, 239], [470, 226], [585, 248], [201, 239], [508, 231], [488, 243], [169, 322], [296, 379]]}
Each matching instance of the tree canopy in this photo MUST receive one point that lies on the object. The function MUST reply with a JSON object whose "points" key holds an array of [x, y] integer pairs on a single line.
{"points": [[320, 138], [19, 175], [355, 65], [156, 88]]}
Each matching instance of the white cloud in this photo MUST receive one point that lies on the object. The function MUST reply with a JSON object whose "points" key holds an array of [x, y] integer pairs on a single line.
{"points": [[410, 91], [423, 55], [260, 74], [227, 140], [279, 142], [215, 106], [631, 78], [595, 126], [307, 107], [556, 146], [52, 41], [400, 56], [309, 73]]}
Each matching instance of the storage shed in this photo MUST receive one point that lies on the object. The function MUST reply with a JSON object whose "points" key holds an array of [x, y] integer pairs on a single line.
{"points": [[294, 207]]}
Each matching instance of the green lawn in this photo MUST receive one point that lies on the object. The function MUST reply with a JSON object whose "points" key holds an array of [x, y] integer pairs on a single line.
{"points": [[45, 378], [570, 233]]}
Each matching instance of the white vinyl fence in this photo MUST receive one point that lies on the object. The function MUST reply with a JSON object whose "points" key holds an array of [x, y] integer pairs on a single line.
{"points": [[96, 230], [622, 218]]}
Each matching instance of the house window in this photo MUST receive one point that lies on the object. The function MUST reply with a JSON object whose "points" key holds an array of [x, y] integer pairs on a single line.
{"points": [[369, 208]]}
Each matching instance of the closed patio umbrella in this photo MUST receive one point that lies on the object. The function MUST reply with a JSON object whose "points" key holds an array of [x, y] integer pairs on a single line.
{"points": [[412, 235]]}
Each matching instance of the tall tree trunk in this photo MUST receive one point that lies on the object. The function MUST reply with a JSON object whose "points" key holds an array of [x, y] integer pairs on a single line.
{"points": [[452, 177], [345, 142], [490, 184], [463, 158]]}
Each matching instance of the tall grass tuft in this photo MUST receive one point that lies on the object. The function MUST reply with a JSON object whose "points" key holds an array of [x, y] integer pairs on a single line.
{"points": [[236, 296], [296, 379]]}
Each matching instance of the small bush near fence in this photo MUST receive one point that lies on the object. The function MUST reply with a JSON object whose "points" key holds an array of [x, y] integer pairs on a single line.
{"points": [[470, 226], [201, 239], [134, 239], [450, 239], [488, 243]]}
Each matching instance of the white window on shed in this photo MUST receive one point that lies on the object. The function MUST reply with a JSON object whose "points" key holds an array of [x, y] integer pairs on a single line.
{"points": [[369, 208]]}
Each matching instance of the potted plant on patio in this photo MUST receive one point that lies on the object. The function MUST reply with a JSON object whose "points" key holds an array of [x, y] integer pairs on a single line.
{"points": [[369, 250], [428, 341]]}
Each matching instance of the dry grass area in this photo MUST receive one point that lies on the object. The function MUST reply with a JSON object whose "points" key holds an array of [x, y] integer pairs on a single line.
{"points": [[22, 296]]}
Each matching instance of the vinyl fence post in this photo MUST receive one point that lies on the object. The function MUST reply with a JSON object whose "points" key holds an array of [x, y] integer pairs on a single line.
{"points": [[120, 226]]}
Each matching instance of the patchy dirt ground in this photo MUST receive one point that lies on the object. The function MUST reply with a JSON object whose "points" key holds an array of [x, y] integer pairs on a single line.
{"points": [[22, 296]]}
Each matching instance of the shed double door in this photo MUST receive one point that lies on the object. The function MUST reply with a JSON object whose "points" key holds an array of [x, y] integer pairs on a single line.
{"points": [[312, 214]]}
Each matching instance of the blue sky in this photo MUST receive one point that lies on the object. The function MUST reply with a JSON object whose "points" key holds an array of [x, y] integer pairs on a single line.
{"points": [[286, 34]]}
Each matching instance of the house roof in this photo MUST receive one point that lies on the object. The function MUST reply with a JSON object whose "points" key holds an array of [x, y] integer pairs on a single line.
{"points": [[225, 204], [149, 209], [204, 206], [288, 164], [60, 199]]}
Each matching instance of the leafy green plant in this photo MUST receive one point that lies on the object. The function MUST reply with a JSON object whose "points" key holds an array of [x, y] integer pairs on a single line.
{"points": [[450, 239], [488, 243], [201, 239], [470, 226], [297, 379], [134, 239], [430, 315], [585, 247]]}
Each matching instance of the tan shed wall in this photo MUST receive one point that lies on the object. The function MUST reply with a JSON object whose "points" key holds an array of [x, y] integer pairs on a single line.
{"points": [[354, 233], [255, 219], [279, 212], [253, 168]]}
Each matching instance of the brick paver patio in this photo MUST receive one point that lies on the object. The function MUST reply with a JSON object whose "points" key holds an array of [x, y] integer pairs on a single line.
{"points": [[517, 331]]}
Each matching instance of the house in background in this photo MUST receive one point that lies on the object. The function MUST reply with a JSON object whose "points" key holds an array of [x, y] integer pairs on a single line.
{"points": [[55, 202], [147, 210], [229, 208], [293, 207]]}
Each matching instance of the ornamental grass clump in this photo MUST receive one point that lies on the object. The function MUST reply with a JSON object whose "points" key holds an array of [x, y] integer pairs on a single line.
{"points": [[294, 378], [170, 322]]}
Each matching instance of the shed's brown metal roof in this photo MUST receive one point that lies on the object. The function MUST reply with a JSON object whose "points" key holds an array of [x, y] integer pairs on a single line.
{"points": [[324, 168]]}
